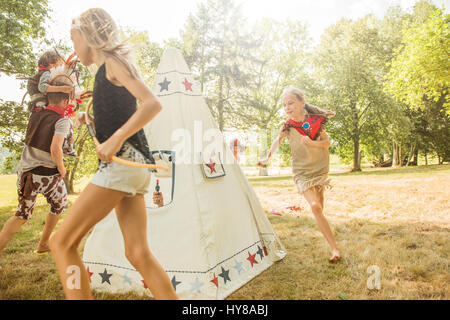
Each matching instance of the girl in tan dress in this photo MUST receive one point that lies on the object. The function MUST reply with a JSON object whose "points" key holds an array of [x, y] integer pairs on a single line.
{"points": [[310, 158]]}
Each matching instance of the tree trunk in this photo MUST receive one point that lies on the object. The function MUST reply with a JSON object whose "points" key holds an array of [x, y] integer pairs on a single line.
{"points": [[411, 153], [416, 157], [263, 172], [356, 155], [426, 159], [394, 154], [67, 182], [221, 80], [202, 71], [70, 176], [400, 155]]}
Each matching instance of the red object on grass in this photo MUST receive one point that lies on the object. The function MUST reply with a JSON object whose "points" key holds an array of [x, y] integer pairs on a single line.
{"points": [[276, 212]]}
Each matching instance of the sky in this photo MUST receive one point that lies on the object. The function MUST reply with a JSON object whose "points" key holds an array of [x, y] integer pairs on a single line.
{"points": [[165, 19]]}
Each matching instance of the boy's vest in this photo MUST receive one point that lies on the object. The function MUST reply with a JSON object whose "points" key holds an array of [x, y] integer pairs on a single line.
{"points": [[41, 128]]}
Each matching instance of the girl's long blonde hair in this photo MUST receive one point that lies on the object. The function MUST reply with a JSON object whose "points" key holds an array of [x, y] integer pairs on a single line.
{"points": [[312, 110], [101, 33]]}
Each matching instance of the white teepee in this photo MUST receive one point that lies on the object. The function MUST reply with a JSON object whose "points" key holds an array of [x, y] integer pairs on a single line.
{"points": [[214, 236]]}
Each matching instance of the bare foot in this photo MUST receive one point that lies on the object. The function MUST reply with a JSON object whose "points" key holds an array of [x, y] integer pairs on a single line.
{"points": [[42, 249], [336, 256]]}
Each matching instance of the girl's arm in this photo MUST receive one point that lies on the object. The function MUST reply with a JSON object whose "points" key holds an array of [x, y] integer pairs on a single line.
{"points": [[45, 87], [148, 109], [276, 143], [324, 141], [44, 82]]}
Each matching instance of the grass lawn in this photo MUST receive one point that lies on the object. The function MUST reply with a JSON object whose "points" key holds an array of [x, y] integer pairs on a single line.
{"points": [[395, 219]]}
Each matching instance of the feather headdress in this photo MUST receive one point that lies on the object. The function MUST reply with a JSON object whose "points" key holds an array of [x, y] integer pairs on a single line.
{"points": [[65, 74]]}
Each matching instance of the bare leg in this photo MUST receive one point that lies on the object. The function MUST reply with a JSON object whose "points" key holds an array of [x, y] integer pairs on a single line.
{"points": [[320, 191], [9, 230], [132, 217], [50, 223], [313, 197], [93, 204]]}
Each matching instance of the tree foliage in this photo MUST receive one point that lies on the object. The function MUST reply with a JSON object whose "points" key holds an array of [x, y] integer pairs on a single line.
{"points": [[21, 23], [387, 79], [420, 71], [349, 62], [217, 45]]}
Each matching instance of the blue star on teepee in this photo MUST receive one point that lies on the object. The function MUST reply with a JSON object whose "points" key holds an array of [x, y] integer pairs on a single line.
{"points": [[195, 286], [260, 252], [126, 278], [164, 85], [225, 275], [105, 276], [175, 283], [238, 266]]}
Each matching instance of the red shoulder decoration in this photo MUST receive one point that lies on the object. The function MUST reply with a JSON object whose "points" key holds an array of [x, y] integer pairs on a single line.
{"points": [[64, 112], [311, 127]]}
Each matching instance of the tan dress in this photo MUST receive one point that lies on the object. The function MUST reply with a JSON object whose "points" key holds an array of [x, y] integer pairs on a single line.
{"points": [[310, 165]]}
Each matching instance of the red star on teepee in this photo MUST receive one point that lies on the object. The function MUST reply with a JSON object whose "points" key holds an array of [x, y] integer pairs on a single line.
{"points": [[215, 281], [187, 85], [90, 274], [251, 258], [145, 286], [211, 166]]}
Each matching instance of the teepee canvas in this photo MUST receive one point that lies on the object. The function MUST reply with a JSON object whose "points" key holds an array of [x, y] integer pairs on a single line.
{"points": [[213, 236]]}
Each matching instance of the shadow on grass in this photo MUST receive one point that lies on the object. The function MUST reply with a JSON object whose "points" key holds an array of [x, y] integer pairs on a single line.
{"points": [[412, 259], [420, 170]]}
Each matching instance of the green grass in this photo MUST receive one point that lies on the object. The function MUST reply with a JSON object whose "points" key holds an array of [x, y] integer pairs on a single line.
{"points": [[396, 219]]}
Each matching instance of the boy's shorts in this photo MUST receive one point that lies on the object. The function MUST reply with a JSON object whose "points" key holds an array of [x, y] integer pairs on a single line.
{"points": [[120, 177], [29, 185]]}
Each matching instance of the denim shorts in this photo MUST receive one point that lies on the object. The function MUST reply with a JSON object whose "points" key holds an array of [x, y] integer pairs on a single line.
{"points": [[120, 177]]}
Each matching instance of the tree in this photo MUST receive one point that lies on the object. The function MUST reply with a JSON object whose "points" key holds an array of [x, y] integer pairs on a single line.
{"points": [[13, 123], [217, 45], [418, 79], [20, 23], [148, 54], [349, 62], [420, 71], [280, 60]]}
